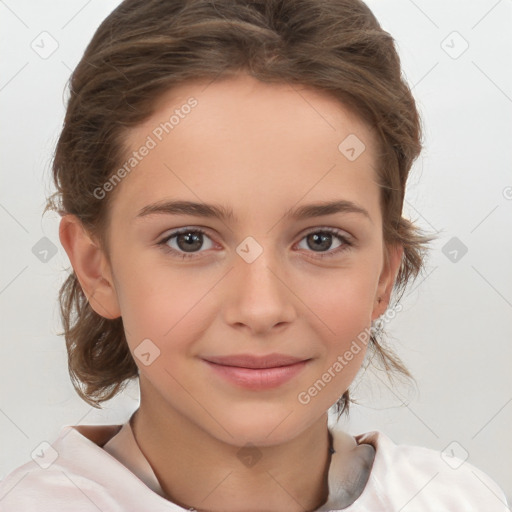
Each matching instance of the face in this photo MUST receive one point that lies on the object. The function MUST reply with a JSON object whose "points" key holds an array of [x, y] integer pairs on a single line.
{"points": [[273, 277]]}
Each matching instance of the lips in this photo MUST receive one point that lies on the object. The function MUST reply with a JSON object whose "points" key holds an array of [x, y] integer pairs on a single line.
{"points": [[257, 373], [252, 361]]}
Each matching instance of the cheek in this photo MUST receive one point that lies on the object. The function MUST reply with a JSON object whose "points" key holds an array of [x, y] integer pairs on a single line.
{"points": [[163, 304], [341, 300], [340, 309]]}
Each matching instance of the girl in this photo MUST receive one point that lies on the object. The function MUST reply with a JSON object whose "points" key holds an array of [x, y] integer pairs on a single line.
{"points": [[231, 177]]}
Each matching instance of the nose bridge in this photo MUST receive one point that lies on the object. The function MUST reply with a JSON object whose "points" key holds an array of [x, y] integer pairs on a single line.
{"points": [[258, 265], [259, 295], [260, 273]]}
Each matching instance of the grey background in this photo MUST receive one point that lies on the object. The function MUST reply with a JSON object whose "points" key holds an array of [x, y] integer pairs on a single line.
{"points": [[454, 331]]}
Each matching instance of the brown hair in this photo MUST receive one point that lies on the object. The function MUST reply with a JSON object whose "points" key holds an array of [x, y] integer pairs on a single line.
{"points": [[146, 47]]}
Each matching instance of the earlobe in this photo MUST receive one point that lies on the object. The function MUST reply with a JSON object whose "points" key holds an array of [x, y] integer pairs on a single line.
{"points": [[387, 279], [89, 263]]}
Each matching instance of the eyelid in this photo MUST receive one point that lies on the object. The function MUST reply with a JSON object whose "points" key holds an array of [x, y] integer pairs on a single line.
{"points": [[182, 227], [178, 231], [338, 231]]}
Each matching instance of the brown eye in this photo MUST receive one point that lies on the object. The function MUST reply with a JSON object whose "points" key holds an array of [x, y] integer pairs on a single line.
{"points": [[190, 241]]}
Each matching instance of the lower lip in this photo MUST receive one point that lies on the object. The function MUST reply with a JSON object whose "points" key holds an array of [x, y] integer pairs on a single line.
{"points": [[259, 378]]}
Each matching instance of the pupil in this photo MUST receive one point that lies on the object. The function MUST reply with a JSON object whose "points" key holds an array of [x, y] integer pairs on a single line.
{"points": [[325, 239], [190, 239]]}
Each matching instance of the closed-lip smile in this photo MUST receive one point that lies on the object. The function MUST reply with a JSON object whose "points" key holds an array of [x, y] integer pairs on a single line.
{"points": [[257, 372]]}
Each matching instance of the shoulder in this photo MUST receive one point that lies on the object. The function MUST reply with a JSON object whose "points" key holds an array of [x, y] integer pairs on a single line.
{"points": [[419, 478], [62, 475]]}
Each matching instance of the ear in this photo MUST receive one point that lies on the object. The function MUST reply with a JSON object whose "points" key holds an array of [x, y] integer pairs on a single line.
{"points": [[392, 260], [91, 267]]}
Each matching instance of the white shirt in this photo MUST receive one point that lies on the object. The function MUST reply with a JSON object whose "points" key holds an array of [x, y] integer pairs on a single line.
{"points": [[101, 469]]}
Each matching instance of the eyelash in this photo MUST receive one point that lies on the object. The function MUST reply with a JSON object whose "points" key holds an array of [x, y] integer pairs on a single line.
{"points": [[346, 242]]}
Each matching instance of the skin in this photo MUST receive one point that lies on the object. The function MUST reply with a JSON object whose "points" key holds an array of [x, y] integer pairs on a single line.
{"points": [[259, 149]]}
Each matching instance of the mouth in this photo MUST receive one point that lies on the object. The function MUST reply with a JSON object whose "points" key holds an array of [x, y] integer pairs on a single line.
{"points": [[256, 362], [257, 372]]}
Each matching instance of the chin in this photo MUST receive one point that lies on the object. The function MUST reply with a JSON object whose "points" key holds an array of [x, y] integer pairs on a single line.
{"points": [[261, 426]]}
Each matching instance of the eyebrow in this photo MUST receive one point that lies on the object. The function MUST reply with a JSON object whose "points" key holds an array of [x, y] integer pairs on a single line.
{"points": [[221, 212]]}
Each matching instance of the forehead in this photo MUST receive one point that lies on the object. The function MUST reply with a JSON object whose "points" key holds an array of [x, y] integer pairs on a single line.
{"points": [[242, 101], [243, 139]]}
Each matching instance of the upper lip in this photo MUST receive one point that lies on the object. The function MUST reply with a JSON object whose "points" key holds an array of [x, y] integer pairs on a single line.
{"points": [[251, 361]]}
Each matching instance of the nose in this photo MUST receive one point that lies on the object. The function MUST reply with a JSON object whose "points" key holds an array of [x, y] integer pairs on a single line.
{"points": [[258, 294]]}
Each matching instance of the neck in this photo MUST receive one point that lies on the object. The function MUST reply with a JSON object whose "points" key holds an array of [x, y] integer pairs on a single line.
{"points": [[198, 470]]}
